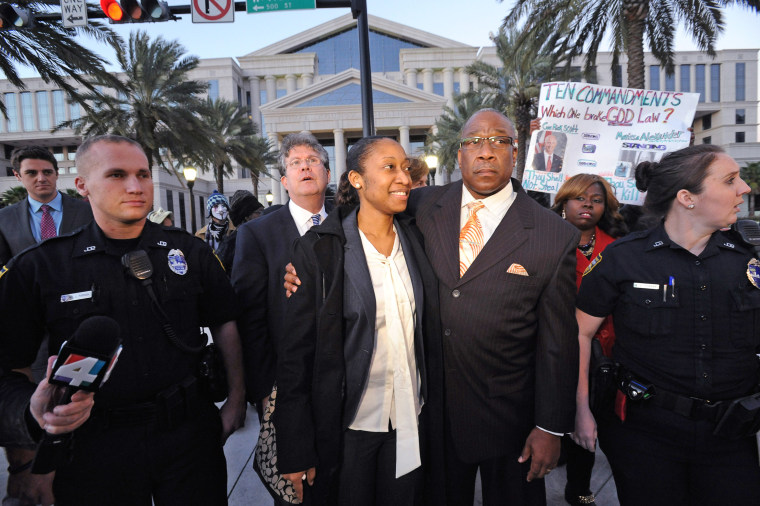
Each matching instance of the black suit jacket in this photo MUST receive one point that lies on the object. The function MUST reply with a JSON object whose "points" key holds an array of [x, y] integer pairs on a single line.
{"points": [[263, 250], [16, 230], [539, 163], [510, 342]]}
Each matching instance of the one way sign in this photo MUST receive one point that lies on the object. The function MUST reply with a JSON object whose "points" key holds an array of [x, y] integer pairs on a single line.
{"points": [[74, 13]]}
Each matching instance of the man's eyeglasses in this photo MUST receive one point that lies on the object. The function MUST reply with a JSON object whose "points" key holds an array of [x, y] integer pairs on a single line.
{"points": [[298, 163], [496, 142]]}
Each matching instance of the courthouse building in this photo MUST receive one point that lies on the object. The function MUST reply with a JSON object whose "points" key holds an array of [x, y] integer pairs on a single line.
{"points": [[310, 82]]}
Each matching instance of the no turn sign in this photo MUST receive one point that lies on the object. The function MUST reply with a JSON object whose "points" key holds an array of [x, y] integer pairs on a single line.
{"points": [[213, 11]]}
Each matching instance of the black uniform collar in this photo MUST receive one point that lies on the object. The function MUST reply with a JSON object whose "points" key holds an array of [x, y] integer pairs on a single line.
{"points": [[658, 239], [93, 240]]}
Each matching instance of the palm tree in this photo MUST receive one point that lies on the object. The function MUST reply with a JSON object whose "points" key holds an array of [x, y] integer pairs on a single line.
{"points": [[444, 143], [234, 138], [52, 51], [13, 195], [517, 82], [154, 103], [751, 175], [579, 26]]}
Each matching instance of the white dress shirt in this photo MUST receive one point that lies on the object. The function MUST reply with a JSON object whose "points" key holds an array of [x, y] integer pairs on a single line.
{"points": [[393, 386], [302, 217]]}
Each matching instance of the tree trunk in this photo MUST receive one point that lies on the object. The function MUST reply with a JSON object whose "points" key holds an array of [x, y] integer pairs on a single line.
{"points": [[219, 176], [255, 183], [522, 117], [636, 15]]}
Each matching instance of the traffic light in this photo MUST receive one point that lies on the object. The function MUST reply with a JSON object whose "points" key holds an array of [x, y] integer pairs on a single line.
{"points": [[13, 18], [134, 11]]}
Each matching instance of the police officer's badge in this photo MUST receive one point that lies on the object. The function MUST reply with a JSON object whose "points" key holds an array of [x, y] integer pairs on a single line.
{"points": [[177, 262], [753, 272]]}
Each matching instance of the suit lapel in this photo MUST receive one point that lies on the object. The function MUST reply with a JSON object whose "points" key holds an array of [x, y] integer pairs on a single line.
{"points": [[414, 271], [69, 215], [444, 251], [25, 234], [507, 237], [356, 269]]}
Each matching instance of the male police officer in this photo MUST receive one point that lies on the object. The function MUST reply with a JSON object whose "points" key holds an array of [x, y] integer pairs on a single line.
{"points": [[152, 434]]}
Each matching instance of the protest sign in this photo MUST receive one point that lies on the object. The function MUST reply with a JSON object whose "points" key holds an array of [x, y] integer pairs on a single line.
{"points": [[604, 130]]}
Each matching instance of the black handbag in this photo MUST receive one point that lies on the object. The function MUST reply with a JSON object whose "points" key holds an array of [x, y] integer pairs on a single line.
{"points": [[265, 458]]}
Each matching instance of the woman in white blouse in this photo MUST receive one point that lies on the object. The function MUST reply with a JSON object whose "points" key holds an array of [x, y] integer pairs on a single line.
{"points": [[352, 376]]}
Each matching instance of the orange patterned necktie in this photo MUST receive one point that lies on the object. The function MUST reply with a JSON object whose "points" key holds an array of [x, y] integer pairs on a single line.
{"points": [[470, 238]]}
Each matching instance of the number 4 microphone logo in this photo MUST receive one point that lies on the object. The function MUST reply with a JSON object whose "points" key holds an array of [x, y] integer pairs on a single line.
{"points": [[79, 371]]}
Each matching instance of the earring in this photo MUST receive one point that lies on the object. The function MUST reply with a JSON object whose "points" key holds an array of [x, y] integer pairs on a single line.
{"points": [[358, 186], [690, 206], [563, 214]]}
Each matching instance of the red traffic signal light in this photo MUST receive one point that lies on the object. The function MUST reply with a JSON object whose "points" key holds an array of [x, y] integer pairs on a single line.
{"points": [[134, 11], [12, 17]]}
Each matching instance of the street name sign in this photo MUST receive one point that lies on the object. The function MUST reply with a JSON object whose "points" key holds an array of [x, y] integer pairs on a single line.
{"points": [[74, 13], [254, 6]]}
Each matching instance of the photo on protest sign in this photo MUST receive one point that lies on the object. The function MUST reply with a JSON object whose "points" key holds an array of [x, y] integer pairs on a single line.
{"points": [[604, 130]]}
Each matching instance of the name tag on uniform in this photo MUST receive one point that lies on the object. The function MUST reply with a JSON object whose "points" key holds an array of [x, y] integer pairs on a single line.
{"points": [[69, 297], [647, 286]]}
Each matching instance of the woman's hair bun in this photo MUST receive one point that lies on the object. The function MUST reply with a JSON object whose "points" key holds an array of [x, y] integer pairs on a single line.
{"points": [[644, 172]]}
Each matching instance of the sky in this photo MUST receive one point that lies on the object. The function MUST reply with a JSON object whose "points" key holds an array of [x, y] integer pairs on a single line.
{"points": [[467, 21]]}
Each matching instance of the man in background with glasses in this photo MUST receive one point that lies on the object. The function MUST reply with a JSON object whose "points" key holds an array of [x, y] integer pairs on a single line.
{"points": [[263, 250], [506, 271]]}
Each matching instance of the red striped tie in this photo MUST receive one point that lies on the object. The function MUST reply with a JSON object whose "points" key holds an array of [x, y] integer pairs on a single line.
{"points": [[470, 238]]}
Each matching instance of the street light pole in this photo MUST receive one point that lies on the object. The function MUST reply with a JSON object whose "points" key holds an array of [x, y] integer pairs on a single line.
{"points": [[190, 175]]}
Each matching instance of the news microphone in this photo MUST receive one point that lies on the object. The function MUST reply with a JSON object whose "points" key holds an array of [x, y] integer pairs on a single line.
{"points": [[84, 362]]}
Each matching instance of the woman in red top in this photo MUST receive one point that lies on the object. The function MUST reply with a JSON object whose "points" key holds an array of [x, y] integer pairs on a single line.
{"points": [[588, 202]]}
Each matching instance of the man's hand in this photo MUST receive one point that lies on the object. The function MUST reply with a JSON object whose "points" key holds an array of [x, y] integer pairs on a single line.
{"points": [[232, 414], [30, 489], [63, 418], [535, 124], [291, 280], [543, 450], [297, 479]]}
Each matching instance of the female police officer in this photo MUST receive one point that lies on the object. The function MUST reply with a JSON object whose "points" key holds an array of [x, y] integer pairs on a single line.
{"points": [[687, 320]]}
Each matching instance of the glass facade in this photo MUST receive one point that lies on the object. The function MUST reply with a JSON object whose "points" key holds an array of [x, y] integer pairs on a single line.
{"points": [[350, 94], [740, 82], [670, 82], [741, 116], [43, 110], [12, 110], [59, 107], [340, 52], [685, 78], [654, 77], [715, 82], [27, 111], [699, 85], [213, 89]]}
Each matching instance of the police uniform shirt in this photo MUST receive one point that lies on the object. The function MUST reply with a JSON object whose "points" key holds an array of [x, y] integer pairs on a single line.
{"points": [[697, 339], [54, 286]]}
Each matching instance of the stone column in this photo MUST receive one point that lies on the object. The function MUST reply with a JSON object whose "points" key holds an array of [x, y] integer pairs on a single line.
{"points": [[427, 80], [411, 78], [340, 153], [255, 90], [290, 83], [271, 88], [404, 138], [448, 85], [277, 188], [308, 79], [464, 81]]}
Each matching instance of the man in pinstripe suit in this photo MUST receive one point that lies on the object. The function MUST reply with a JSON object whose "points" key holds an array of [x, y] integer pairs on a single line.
{"points": [[509, 333]]}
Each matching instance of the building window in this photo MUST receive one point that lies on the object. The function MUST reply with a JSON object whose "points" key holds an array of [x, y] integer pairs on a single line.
{"points": [[741, 116], [27, 111], [213, 90], [240, 95], [686, 78], [169, 200], [700, 82], [248, 100], [43, 110], [617, 75], [707, 122], [670, 82], [58, 153], [262, 97], [715, 82], [74, 110], [707, 140], [739, 136], [654, 77], [12, 110], [59, 107], [740, 83]]}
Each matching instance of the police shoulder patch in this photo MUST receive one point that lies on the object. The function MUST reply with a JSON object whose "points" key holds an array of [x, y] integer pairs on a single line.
{"points": [[593, 264]]}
